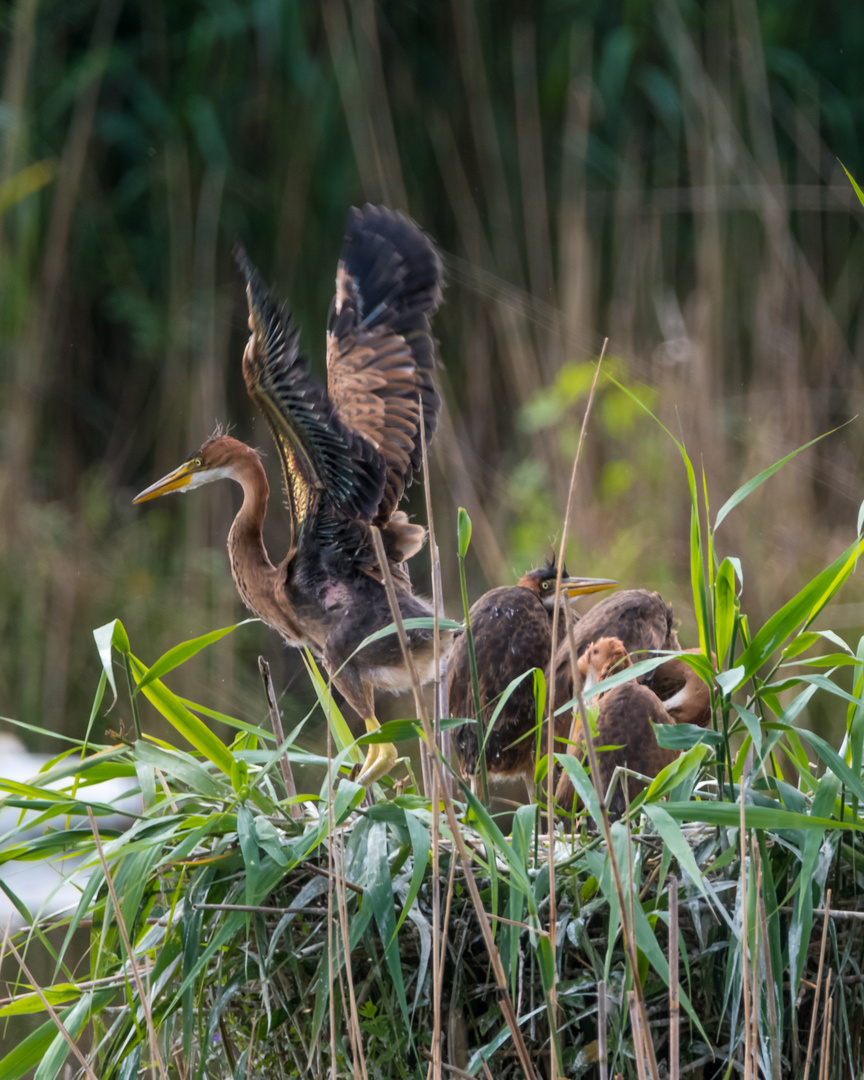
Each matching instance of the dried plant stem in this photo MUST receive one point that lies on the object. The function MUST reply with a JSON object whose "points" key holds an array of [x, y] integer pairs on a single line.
{"points": [[674, 1000], [438, 942], [464, 854], [818, 987], [342, 904], [745, 967], [640, 1039], [773, 1030], [331, 929], [58, 1023], [124, 934], [555, 1060], [602, 1047], [276, 720], [626, 925], [825, 1046]]}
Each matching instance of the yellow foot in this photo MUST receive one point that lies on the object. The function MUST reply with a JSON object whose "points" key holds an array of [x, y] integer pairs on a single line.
{"points": [[380, 758]]}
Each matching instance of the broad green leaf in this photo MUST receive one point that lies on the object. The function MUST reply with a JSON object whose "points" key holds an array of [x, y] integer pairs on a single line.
{"points": [[341, 732], [860, 195], [463, 531], [420, 844], [190, 727], [755, 817], [724, 608], [582, 784], [182, 767], [671, 775], [754, 727], [249, 847], [110, 635], [751, 485], [676, 842], [31, 1050], [835, 763], [800, 644], [801, 609], [379, 894], [185, 651], [683, 736], [24, 1004]]}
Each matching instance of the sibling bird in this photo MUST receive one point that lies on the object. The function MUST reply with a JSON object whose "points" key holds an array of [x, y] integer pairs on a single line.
{"points": [[642, 620], [624, 720], [512, 630], [348, 453]]}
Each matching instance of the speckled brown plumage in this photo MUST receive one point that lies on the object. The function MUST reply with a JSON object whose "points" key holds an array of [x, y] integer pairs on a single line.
{"points": [[642, 620], [512, 628]]}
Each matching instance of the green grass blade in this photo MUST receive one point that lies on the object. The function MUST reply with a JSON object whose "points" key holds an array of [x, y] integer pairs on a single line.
{"points": [[341, 732], [179, 654], [801, 609]]}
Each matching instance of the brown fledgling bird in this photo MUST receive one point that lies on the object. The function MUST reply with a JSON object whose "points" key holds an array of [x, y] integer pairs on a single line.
{"points": [[348, 453], [624, 720], [512, 630], [642, 620]]}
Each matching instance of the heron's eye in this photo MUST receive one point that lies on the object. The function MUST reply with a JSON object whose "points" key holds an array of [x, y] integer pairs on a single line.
{"points": [[196, 463]]}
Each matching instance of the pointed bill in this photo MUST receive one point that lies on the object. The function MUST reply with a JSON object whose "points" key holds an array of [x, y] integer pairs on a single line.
{"points": [[581, 586], [174, 481]]}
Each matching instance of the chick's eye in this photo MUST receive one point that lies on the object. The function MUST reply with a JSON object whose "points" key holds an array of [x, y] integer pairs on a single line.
{"points": [[545, 584]]}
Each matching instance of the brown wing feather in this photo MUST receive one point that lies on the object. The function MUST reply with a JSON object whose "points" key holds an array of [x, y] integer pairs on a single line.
{"points": [[380, 353]]}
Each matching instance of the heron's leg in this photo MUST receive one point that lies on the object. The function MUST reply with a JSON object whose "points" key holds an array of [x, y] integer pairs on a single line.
{"points": [[380, 757]]}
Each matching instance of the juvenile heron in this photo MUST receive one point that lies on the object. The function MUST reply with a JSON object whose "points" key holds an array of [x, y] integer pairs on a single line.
{"points": [[348, 453], [512, 630]]}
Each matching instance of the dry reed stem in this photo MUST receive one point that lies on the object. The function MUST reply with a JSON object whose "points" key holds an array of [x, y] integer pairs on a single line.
{"points": [[640, 1036], [251, 1048], [58, 1023], [745, 970], [626, 924], [124, 934], [342, 902], [438, 942], [758, 946], [554, 1051], [825, 1044], [276, 720], [833, 913], [331, 931], [818, 987], [494, 956], [674, 999], [261, 909], [602, 1044], [773, 1030]]}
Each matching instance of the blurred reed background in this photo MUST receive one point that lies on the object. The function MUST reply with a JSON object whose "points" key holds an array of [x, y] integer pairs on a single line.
{"points": [[660, 172]]}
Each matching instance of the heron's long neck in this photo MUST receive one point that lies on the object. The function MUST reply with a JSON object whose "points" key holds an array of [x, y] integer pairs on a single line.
{"points": [[254, 574]]}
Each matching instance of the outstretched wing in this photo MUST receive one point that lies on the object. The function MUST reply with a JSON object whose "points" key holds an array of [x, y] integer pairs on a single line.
{"points": [[320, 455], [380, 352]]}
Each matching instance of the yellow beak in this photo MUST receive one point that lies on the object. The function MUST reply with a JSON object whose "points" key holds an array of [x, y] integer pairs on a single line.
{"points": [[180, 478], [581, 586]]}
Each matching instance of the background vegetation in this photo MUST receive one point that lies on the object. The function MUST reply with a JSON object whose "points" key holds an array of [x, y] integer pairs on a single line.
{"points": [[659, 172]]}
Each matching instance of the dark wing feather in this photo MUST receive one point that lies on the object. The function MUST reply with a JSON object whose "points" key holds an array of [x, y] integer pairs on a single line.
{"points": [[380, 352], [320, 455]]}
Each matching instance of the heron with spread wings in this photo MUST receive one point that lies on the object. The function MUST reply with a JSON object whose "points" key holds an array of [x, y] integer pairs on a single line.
{"points": [[348, 453]]}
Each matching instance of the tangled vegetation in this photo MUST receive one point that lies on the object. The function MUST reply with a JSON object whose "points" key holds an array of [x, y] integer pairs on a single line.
{"points": [[239, 929]]}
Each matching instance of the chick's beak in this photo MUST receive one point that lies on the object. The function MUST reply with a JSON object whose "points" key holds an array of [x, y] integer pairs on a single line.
{"points": [[174, 481]]}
